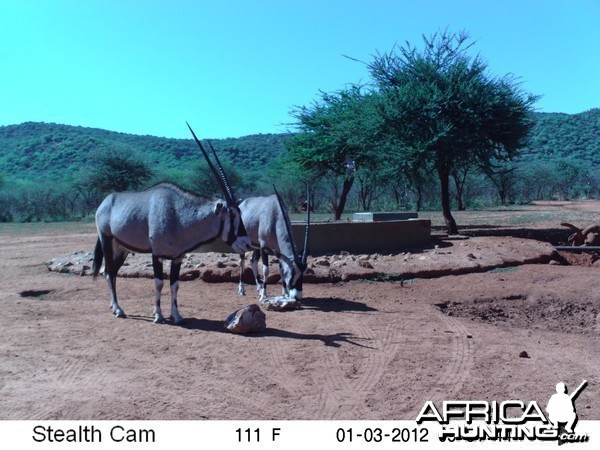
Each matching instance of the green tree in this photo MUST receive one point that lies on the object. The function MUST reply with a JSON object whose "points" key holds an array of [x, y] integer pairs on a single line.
{"points": [[5, 203], [118, 171], [503, 177], [536, 180], [459, 174], [369, 188], [573, 178], [203, 181], [336, 135], [446, 111], [290, 181]]}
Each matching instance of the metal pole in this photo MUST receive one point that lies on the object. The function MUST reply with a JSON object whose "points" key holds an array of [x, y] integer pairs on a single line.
{"points": [[575, 248]]}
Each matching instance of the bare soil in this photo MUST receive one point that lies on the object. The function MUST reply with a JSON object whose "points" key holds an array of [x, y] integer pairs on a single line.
{"points": [[493, 314]]}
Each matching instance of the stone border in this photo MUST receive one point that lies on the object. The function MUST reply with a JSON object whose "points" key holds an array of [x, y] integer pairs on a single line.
{"points": [[448, 257]]}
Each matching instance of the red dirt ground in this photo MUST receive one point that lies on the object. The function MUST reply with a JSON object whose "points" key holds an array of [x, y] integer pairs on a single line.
{"points": [[369, 347]]}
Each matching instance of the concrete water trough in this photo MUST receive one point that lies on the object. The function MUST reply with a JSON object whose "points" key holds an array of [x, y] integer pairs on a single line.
{"points": [[383, 216], [356, 237]]}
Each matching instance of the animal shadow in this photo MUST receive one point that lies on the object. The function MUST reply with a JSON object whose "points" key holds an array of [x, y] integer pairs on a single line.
{"points": [[335, 304], [329, 340]]}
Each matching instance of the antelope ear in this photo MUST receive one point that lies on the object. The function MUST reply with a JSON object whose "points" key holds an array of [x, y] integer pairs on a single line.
{"points": [[219, 207]]}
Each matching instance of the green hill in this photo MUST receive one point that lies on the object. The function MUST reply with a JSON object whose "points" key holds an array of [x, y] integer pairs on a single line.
{"points": [[558, 135], [34, 150], [45, 168]]}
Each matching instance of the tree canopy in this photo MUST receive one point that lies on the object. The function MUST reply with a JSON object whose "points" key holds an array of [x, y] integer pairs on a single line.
{"points": [[444, 110], [435, 109], [118, 171], [336, 136]]}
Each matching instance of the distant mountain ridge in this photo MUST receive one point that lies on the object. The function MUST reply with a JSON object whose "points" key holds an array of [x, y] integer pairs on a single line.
{"points": [[34, 149], [48, 150], [560, 135]]}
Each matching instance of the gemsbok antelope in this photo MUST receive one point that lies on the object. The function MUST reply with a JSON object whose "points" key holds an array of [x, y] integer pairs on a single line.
{"points": [[167, 222], [269, 229]]}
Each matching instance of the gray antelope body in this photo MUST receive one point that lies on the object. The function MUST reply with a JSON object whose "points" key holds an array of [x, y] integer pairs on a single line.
{"points": [[269, 229], [167, 222]]}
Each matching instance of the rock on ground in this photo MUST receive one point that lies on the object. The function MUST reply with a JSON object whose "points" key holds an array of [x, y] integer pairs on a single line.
{"points": [[249, 319]]}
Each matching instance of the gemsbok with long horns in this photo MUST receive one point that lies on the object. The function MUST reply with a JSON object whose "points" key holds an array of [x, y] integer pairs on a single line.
{"points": [[167, 222], [269, 229]]}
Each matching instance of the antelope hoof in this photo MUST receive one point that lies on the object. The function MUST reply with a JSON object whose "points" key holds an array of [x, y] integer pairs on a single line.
{"points": [[262, 292], [117, 311], [177, 320]]}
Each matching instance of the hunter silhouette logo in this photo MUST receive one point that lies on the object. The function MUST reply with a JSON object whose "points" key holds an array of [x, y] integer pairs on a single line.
{"points": [[508, 420], [561, 408]]}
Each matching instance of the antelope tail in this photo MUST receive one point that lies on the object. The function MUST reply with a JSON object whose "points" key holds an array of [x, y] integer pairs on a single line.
{"points": [[98, 257]]}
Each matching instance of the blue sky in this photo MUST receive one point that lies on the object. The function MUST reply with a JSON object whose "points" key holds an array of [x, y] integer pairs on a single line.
{"points": [[233, 68]]}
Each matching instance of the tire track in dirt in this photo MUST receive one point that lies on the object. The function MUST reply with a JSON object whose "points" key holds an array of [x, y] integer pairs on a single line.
{"points": [[63, 385], [458, 370], [257, 411], [14, 404], [377, 364], [236, 402], [256, 403], [47, 412], [282, 372], [449, 381], [69, 374], [344, 397], [283, 375]]}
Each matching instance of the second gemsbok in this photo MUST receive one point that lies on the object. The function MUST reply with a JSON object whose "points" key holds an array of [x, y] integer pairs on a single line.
{"points": [[269, 229]]}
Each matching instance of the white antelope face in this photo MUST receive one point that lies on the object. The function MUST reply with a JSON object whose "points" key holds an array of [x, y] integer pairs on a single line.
{"points": [[294, 280]]}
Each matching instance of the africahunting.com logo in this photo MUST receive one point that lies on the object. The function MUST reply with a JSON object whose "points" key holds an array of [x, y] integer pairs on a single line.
{"points": [[510, 420]]}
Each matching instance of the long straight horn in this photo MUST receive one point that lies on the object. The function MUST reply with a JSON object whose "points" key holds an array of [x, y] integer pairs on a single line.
{"points": [[591, 229], [228, 198], [288, 225], [222, 173], [571, 227], [307, 232]]}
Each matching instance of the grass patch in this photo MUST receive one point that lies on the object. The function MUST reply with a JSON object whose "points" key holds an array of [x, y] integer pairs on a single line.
{"points": [[390, 278], [505, 269]]}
